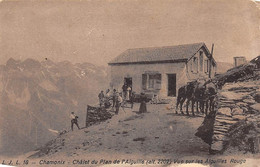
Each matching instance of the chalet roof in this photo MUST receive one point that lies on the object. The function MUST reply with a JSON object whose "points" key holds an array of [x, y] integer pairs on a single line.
{"points": [[158, 54]]}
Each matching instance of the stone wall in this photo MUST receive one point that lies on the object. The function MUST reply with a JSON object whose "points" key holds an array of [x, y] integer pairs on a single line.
{"points": [[96, 115], [238, 103]]}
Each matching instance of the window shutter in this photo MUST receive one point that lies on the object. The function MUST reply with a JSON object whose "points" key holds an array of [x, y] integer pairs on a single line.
{"points": [[158, 81], [144, 81], [206, 69]]}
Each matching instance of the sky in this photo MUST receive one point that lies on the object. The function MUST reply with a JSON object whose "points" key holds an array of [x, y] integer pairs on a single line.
{"points": [[97, 31]]}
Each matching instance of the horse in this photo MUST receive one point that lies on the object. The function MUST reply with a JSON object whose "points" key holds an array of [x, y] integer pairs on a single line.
{"points": [[211, 92], [191, 88], [182, 95], [186, 92], [197, 93], [205, 95], [199, 96]]}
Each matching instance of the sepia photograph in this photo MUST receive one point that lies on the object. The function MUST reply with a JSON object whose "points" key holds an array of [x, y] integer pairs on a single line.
{"points": [[158, 83]]}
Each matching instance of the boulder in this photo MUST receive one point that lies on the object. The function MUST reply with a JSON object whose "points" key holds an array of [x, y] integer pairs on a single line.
{"points": [[239, 117], [256, 106], [249, 101], [217, 146], [219, 137], [241, 104], [237, 111], [257, 97], [225, 111], [245, 109]]}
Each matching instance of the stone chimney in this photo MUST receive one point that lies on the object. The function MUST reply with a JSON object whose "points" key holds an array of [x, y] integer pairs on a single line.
{"points": [[239, 61]]}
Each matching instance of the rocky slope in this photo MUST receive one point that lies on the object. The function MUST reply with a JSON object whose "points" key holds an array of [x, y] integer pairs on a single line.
{"points": [[37, 98], [235, 123]]}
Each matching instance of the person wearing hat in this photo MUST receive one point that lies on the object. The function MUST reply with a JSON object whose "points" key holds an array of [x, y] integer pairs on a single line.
{"points": [[74, 120], [143, 100]]}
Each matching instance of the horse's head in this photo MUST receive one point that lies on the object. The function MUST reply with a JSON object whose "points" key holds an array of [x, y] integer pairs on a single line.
{"points": [[191, 86]]}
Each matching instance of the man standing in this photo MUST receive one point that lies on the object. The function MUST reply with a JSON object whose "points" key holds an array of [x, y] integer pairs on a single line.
{"points": [[118, 102], [128, 90], [132, 99], [101, 98], [114, 98], [124, 88], [74, 120]]}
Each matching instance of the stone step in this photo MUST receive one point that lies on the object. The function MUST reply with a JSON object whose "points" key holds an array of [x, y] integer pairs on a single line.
{"points": [[220, 130], [239, 117], [226, 121], [224, 117], [221, 124], [221, 127], [219, 137], [219, 133]]}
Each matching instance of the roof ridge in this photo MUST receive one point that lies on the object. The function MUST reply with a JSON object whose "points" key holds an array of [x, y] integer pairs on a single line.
{"points": [[169, 46]]}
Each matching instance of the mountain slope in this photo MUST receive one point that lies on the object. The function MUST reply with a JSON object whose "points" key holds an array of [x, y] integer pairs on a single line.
{"points": [[37, 98]]}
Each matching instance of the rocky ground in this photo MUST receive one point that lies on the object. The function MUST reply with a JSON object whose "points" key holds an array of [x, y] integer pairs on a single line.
{"points": [[158, 133], [154, 133]]}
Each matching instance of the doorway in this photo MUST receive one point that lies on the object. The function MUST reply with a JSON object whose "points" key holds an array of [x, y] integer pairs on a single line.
{"points": [[172, 85], [128, 81]]}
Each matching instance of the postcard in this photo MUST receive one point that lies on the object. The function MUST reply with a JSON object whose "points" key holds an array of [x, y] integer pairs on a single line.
{"points": [[129, 83]]}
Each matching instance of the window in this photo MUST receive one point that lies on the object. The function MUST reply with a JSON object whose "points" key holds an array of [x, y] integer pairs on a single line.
{"points": [[195, 65], [151, 81], [201, 61], [206, 66]]}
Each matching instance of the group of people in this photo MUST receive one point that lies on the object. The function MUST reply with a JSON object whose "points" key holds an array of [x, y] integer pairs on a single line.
{"points": [[104, 99], [127, 91], [118, 98]]}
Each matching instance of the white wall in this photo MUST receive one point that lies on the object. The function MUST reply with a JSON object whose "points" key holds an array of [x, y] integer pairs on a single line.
{"points": [[118, 72], [199, 74]]}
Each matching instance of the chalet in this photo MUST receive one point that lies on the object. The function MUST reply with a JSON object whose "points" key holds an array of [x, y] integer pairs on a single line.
{"points": [[161, 70]]}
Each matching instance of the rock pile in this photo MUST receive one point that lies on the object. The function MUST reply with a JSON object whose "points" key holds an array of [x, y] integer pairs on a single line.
{"points": [[96, 115], [236, 122], [240, 73], [237, 103]]}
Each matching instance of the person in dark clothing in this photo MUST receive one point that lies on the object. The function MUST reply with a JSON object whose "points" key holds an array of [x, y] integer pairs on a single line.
{"points": [[114, 98], [143, 100], [101, 97], [124, 88], [74, 120], [118, 102], [132, 98]]}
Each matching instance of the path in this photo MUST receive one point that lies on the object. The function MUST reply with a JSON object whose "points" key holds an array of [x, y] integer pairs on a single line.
{"points": [[159, 133]]}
